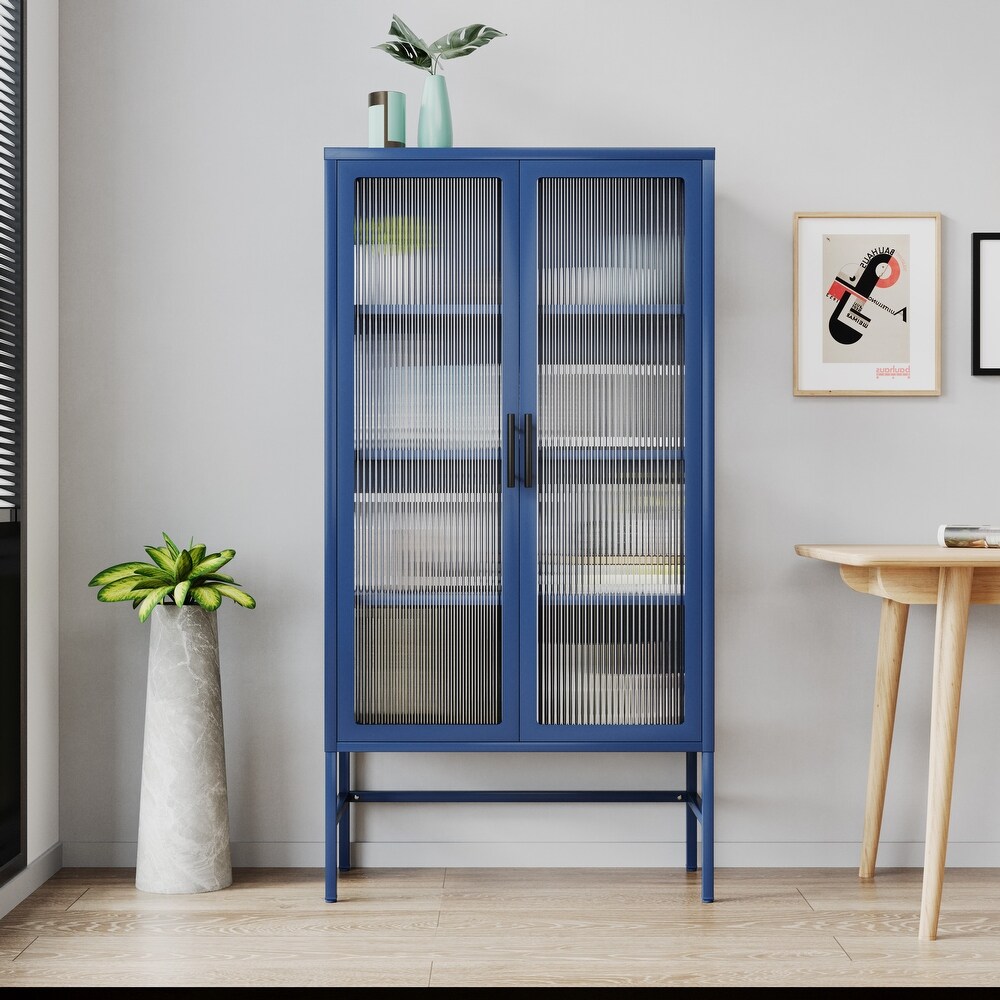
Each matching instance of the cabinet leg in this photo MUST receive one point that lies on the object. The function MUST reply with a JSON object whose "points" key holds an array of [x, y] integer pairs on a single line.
{"points": [[707, 820], [331, 828], [954, 590], [691, 787], [344, 783], [891, 634], [708, 827]]}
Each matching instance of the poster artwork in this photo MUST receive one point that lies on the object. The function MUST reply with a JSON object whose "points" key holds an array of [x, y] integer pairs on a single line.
{"points": [[868, 295]]}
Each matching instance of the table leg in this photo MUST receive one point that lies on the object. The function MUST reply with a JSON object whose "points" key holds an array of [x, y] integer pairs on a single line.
{"points": [[954, 591], [892, 632]]}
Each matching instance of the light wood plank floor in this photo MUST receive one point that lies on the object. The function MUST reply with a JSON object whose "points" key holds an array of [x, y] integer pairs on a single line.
{"points": [[506, 927]]}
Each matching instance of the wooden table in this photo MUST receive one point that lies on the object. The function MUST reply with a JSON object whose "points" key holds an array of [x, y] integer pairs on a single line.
{"points": [[951, 578]]}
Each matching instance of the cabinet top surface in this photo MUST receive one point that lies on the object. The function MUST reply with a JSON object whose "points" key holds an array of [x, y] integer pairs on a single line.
{"points": [[900, 555], [519, 153]]}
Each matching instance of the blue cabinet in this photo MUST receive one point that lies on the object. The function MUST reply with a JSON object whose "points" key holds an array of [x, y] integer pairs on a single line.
{"points": [[519, 536]]}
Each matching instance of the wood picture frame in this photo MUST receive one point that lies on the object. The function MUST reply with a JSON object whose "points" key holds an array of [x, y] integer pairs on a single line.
{"points": [[866, 304]]}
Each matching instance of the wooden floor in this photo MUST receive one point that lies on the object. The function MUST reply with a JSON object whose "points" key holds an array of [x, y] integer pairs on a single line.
{"points": [[506, 927]]}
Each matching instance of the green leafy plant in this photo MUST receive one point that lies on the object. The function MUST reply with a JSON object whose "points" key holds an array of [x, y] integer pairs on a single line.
{"points": [[409, 48], [395, 233], [176, 575]]}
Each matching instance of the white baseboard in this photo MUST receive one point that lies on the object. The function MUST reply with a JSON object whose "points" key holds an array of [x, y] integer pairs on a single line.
{"points": [[653, 855], [22, 885], [245, 855], [98, 855], [307, 855], [555, 855]]}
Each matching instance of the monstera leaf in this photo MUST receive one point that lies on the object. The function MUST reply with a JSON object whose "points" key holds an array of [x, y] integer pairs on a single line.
{"points": [[464, 41], [410, 48]]}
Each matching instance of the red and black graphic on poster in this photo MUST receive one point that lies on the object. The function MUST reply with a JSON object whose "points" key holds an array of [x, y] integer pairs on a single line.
{"points": [[867, 279]]}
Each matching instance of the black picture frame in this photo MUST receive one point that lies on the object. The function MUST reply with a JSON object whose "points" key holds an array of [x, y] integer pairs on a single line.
{"points": [[985, 328]]}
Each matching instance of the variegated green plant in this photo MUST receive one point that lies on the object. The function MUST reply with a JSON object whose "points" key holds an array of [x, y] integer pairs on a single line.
{"points": [[393, 233], [176, 575], [409, 48]]}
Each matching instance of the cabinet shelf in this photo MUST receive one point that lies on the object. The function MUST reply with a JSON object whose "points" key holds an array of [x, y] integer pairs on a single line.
{"points": [[606, 581], [429, 309], [409, 453], [611, 598], [611, 309], [563, 449], [425, 599], [559, 449]]}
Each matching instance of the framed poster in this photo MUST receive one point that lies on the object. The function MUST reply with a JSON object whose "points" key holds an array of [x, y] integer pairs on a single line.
{"points": [[866, 304], [986, 303]]}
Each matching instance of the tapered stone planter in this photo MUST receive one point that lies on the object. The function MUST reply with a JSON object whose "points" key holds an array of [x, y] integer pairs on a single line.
{"points": [[184, 804]]}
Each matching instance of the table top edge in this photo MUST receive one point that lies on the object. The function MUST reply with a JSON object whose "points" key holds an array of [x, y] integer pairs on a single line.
{"points": [[849, 554]]}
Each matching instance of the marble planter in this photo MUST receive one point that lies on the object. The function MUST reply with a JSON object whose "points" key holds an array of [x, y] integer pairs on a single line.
{"points": [[183, 843]]}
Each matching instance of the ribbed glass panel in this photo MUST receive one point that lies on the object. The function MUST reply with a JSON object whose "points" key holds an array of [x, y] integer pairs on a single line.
{"points": [[610, 451], [11, 259], [427, 439]]}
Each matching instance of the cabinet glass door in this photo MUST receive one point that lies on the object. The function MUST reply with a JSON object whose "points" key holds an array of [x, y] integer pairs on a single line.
{"points": [[425, 443], [604, 558]]}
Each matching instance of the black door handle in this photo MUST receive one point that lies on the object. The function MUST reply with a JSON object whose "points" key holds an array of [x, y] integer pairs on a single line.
{"points": [[511, 450], [529, 450]]}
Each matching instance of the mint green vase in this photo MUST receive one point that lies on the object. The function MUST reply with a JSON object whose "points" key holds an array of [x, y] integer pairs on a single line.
{"points": [[434, 124]]}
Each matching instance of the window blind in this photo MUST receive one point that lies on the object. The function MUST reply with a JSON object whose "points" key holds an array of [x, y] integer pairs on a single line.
{"points": [[11, 260], [13, 814]]}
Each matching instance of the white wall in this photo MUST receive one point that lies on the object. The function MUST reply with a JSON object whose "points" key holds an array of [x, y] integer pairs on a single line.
{"points": [[192, 395], [44, 852], [42, 421]]}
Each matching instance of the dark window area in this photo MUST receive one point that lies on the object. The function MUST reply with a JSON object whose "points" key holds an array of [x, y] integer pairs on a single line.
{"points": [[12, 673]]}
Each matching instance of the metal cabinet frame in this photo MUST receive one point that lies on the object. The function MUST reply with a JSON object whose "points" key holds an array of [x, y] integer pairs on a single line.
{"points": [[518, 171]]}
